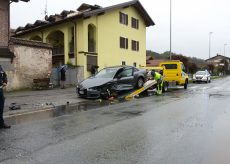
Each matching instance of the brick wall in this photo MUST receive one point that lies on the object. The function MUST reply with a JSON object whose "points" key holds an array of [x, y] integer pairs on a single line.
{"points": [[4, 27]]}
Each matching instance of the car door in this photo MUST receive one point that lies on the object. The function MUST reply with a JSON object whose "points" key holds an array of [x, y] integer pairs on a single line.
{"points": [[183, 74], [125, 79]]}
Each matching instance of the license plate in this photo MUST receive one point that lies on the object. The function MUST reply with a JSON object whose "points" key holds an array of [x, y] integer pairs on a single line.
{"points": [[81, 92]]}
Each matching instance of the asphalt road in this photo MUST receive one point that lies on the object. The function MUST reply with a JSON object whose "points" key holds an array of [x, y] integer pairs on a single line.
{"points": [[181, 127]]}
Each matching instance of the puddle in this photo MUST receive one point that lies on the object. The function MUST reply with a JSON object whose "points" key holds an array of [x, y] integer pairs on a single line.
{"points": [[219, 95], [135, 113], [130, 113], [56, 111]]}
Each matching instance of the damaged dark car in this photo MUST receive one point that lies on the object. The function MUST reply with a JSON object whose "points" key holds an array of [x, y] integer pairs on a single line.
{"points": [[111, 80]]}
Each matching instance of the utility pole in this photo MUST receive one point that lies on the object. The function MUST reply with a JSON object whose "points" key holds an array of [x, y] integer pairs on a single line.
{"points": [[170, 51], [210, 33], [45, 11]]}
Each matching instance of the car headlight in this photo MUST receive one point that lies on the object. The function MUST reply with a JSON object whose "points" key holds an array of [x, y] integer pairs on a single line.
{"points": [[79, 85]]}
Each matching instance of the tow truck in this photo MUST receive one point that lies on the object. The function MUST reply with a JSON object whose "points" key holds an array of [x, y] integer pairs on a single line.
{"points": [[173, 73]]}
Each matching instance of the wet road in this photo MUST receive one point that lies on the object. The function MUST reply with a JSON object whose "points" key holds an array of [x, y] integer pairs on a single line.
{"points": [[180, 127]]}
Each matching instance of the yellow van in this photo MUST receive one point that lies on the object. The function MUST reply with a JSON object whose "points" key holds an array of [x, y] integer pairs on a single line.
{"points": [[174, 73]]}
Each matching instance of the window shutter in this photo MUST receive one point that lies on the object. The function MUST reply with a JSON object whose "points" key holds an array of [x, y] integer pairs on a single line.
{"points": [[137, 24], [126, 43], [127, 20], [133, 45], [137, 46], [133, 23], [121, 42], [123, 62], [120, 15]]}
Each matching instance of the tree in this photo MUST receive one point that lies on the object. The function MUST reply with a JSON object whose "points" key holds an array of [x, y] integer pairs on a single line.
{"points": [[182, 58], [211, 68], [191, 63], [192, 67]]}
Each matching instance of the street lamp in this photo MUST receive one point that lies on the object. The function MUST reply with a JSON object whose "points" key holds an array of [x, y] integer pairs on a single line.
{"points": [[170, 51], [210, 33]]}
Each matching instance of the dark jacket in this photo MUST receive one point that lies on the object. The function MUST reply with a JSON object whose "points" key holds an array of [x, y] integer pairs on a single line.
{"points": [[94, 69], [3, 76], [63, 78]]}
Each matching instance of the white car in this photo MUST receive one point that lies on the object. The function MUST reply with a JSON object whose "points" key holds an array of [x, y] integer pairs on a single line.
{"points": [[201, 76]]}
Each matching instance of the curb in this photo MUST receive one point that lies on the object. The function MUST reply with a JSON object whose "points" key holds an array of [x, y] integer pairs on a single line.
{"points": [[22, 112]]}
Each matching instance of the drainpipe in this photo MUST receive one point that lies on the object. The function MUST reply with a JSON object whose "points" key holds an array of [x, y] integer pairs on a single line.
{"points": [[74, 41], [8, 23]]}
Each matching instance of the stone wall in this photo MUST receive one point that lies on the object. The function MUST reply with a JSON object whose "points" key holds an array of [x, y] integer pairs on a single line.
{"points": [[4, 23], [32, 60]]}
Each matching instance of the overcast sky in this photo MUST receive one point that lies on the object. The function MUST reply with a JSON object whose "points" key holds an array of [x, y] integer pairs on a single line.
{"points": [[192, 20]]}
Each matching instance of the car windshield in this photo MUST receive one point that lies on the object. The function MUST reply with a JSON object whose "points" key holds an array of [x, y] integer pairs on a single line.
{"points": [[200, 73], [107, 73]]}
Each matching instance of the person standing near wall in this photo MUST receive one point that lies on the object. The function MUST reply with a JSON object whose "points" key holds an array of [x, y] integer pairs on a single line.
{"points": [[3, 83], [63, 76], [94, 69]]}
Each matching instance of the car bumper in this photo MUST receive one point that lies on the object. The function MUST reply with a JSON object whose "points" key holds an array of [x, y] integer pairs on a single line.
{"points": [[199, 80], [93, 94]]}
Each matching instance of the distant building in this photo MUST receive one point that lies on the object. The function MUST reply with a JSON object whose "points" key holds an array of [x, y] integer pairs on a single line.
{"points": [[219, 61], [154, 62], [94, 35]]}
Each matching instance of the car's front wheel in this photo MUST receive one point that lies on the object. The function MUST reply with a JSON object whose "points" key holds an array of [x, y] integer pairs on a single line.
{"points": [[105, 93]]}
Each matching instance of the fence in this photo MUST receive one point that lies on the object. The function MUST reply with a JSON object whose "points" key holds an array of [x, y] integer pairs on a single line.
{"points": [[73, 75]]}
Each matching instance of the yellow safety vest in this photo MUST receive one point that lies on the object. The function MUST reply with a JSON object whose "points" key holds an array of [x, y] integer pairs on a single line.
{"points": [[157, 76]]}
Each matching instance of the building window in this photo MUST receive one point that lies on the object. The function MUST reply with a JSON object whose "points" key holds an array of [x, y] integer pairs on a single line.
{"points": [[135, 45], [123, 63], [123, 18], [91, 60], [123, 42], [91, 38], [135, 64], [135, 23]]}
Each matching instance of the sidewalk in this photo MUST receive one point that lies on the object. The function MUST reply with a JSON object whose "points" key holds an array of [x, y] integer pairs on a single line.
{"points": [[39, 99]]}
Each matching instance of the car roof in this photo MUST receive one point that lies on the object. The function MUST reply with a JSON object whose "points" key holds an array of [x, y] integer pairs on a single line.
{"points": [[201, 71], [120, 66]]}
